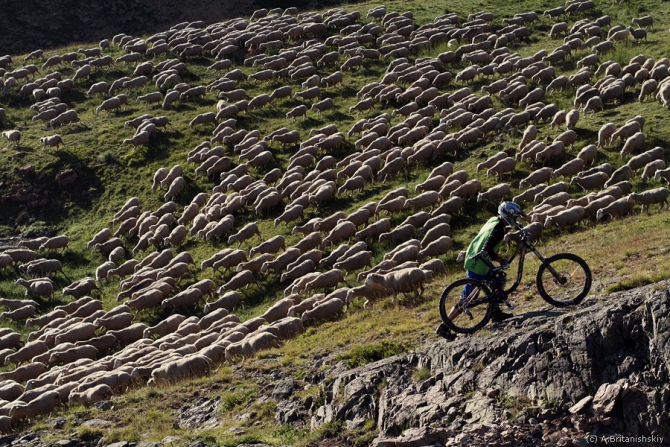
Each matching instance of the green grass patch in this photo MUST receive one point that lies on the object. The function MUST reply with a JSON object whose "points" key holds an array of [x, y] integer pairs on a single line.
{"points": [[362, 355], [422, 374], [236, 396], [638, 280]]}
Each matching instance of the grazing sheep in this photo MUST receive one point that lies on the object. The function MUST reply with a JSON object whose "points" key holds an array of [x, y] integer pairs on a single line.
{"points": [[648, 88], [323, 105], [251, 344], [55, 243], [37, 287], [343, 230], [370, 292], [643, 22], [239, 281], [649, 197], [564, 218], [19, 314], [568, 138], [41, 267], [569, 169], [272, 245], [323, 310], [591, 208], [403, 281], [423, 200], [333, 79], [491, 161], [246, 233], [278, 310], [591, 182], [467, 189], [536, 177], [593, 104], [541, 214], [51, 141], [559, 118], [167, 326], [621, 174], [374, 230], [176, 187], [92, 395], [400, 234], [588, 154], [42, 405], [10, 340], [651, 168], [503, 166], [73, 354], [203, 118], [440, 246], [355, 262], [26, 353], [288, 328], [619, 207], [605, 167], [495, 193], [194, 365], [664, 174], [533, 231], [13, 136]]}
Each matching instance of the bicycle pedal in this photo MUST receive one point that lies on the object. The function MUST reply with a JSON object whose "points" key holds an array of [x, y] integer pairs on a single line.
{"points": [[509, 305]]}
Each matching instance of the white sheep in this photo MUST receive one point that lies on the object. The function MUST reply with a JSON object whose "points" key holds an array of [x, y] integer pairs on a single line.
{"points": [[140, 139], [651, 168], [51, 141], [646, 198], [12, 135]]}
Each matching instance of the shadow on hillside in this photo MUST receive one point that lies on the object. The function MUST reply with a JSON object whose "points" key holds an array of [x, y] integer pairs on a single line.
{"points": [[537, 314], [75, 129]]}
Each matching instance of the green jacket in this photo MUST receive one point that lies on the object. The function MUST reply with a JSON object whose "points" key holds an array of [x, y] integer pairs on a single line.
{"points": [[475, 265]]}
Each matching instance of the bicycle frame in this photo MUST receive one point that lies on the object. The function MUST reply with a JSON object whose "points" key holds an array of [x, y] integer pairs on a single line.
{"points": [[522, 250]]}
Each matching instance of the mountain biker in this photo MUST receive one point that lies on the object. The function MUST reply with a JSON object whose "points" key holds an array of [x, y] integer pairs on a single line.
{"points": [[488, 242]]}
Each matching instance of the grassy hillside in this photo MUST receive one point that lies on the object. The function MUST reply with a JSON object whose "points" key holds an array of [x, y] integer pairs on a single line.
{"points": [[622, 253]]}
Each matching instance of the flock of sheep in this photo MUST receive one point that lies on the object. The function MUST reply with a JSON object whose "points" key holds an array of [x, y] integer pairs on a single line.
{"points": [[80, 353]]}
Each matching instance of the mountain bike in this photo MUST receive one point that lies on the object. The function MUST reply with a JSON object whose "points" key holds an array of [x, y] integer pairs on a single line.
{"points": [[562, 280]]}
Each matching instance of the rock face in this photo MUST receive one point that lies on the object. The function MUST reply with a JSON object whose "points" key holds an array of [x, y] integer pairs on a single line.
{"points": [[607, 362], [201, 414]]}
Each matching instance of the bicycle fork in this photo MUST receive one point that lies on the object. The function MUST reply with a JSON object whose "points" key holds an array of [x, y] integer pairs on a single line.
{"points": [[557, 276]]}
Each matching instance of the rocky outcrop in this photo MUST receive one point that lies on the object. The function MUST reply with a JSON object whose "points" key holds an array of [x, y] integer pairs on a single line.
{"points": [[558, 378]]}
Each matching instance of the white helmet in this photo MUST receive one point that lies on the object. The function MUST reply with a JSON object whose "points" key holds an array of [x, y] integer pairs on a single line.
{"points": [[510, 212]]}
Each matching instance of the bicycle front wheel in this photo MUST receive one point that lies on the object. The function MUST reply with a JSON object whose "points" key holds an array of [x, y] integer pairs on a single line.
{"points": [[568, 284], [466, 313]]}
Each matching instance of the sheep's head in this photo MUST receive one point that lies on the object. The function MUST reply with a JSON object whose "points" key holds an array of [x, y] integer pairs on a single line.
{"points": [[373, 278]]}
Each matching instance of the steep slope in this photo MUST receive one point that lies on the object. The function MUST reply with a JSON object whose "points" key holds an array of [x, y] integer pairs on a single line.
{"points": [[77, 190]]}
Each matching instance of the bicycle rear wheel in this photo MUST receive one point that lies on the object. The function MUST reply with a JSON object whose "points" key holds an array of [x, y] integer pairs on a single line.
{"points": [[572, 284], [469, 314]]}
